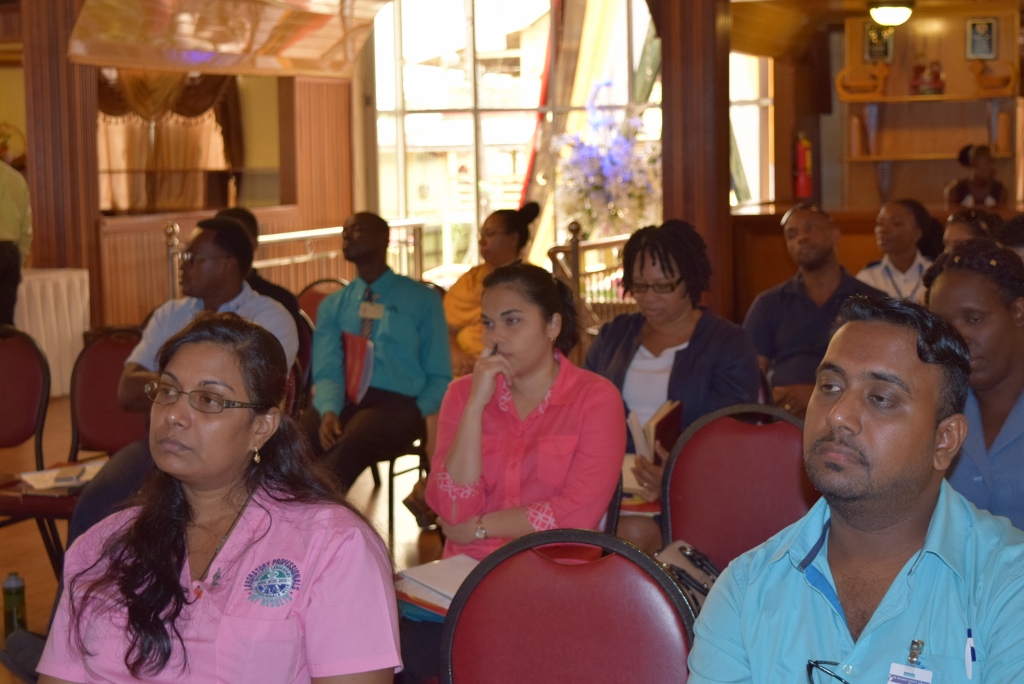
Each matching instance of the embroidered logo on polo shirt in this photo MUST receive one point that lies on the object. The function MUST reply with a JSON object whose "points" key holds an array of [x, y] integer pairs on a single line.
{"points": [[272, 583]]}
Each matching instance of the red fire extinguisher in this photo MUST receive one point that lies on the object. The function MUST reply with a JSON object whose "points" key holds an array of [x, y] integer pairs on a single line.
{"points": [[803, 182]]}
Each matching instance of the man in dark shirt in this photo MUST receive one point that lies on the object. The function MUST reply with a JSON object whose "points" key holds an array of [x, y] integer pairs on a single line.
{"points": [[789, 323], [257, 282]]}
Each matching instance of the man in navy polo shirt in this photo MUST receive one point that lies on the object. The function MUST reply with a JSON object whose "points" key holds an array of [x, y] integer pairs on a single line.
{"points": [[789, 324]]}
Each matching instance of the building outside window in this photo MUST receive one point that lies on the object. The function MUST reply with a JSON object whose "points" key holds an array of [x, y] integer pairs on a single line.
{"points": [[470, 95]]}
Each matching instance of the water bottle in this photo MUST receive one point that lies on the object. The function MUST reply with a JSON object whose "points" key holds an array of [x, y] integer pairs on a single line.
{"points": [[14, 604]]}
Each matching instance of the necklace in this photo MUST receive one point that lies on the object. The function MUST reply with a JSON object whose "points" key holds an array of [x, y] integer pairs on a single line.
{"points": [[216, 551]]}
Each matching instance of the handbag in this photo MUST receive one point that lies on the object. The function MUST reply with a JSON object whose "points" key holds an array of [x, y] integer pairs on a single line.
{"points": [[691, 569]]}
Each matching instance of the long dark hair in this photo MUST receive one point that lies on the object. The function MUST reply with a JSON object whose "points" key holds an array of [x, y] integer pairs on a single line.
{"points": [[551, 295], [139, 570]]}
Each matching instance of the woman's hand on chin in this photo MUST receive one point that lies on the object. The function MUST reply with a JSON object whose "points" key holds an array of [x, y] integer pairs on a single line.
{"points": [[485, 376]]}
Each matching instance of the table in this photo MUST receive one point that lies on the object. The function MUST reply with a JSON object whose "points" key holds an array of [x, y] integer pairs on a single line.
{"points": [[53, 307]]}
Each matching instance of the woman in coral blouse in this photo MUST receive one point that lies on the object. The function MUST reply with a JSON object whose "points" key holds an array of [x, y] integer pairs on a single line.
{"points": [[528, 442]]}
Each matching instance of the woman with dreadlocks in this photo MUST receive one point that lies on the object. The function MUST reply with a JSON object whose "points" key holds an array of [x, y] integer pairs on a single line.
{"points": [[673, 348]]}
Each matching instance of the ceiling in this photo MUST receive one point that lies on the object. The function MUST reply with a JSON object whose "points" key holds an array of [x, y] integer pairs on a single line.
{"points": [[280, 37]]}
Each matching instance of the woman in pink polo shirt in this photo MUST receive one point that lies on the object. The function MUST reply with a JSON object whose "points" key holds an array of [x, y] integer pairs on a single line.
{"points": [[240, 562], [528, 442]]}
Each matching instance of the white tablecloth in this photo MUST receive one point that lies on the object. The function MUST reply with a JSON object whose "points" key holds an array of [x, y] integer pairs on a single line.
{"points": [[53, 307]]}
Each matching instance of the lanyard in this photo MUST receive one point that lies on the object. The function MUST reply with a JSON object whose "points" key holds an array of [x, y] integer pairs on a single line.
{"points": [[896, 287]]}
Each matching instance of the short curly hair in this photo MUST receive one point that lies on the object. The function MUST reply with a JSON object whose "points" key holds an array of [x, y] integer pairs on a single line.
{"points": [[678, 248], [982, 256]]}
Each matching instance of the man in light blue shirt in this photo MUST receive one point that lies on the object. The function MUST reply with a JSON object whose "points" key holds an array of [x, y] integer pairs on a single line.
{"points": [[891, 554], [213, 272], [411, 368]]}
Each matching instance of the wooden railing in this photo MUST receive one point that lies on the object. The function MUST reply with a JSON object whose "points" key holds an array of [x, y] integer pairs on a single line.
{"points": [[592, 270], [405, 253]]}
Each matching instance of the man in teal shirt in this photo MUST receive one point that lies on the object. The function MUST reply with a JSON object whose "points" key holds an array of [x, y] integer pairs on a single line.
{"points": [[891, 554], [411, 363]]}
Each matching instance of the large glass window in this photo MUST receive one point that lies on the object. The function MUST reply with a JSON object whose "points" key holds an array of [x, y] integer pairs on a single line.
{"points": [[474, 97], [752, 120]]}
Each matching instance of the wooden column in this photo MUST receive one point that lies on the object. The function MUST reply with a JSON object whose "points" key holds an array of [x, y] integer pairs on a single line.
{"points": [[61, 110], [695, 132]]}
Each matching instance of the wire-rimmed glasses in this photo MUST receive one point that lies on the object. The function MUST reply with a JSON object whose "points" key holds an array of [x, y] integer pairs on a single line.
{"points": [[200, 400]]}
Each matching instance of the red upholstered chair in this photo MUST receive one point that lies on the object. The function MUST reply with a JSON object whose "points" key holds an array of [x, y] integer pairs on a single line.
{"points": [[524, 615], [24, 398], [730, 485], [315, 292], [98, 423]]}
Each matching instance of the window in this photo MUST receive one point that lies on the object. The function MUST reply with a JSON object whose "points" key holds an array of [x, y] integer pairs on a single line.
{"points": [[752, 126], [471, 94]]}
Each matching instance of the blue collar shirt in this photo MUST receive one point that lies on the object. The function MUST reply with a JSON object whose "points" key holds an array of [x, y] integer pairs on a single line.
{"points": [[172, 316], [992, 478], [776, 607]]}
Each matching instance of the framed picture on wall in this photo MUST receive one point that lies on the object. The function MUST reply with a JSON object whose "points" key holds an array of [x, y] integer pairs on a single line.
{"points": [[981, 38], [879, 43]]}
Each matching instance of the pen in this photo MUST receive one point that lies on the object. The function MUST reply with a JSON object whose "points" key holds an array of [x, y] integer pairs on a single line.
{"points": [[969, 655]]}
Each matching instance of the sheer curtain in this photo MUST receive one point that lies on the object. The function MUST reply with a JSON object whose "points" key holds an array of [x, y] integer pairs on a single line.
{"points": [[158, 133]]}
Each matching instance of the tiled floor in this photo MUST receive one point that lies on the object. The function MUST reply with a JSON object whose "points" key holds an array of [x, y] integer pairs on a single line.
{"points": [[21, 548]]}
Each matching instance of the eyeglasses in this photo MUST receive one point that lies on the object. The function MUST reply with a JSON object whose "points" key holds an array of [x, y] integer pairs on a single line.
{"points": [[660, 288], [813, 665], [200, 400], [191, 257]]}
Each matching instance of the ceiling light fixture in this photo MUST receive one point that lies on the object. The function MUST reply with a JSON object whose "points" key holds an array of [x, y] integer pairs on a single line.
{"points": [[891, 13]]}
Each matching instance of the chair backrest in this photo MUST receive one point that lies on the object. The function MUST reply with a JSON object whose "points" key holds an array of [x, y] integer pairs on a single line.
{"points": [[24, 390], [98, 423], [730, 485], [611, 519], [527, 614], [315, 292], [304, 357]]}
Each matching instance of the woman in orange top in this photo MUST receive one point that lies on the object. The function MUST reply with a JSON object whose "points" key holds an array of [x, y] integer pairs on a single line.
{"points": [[502, 238]]}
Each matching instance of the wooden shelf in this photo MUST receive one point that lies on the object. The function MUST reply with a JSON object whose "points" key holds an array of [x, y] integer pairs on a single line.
{"points": [[915, 156], [885, 99]]}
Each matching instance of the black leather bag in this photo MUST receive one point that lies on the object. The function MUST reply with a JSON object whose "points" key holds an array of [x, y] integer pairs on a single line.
{"points": [[692, 570]]}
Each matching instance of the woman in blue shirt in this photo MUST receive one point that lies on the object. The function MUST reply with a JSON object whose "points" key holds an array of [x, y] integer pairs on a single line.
{"points": [[979, 288]]}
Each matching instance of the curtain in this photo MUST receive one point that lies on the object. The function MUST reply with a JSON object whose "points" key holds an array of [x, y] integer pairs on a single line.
{"points": [[123, 148], [184, 147], [158, 133]]}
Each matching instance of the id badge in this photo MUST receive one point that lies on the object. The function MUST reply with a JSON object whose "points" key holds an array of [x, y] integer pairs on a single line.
{"points": [[371, 310], [908, 674]]}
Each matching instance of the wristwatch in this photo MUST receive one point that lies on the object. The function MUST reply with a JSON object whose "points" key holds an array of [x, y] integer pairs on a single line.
{"points": [[481, 531]]}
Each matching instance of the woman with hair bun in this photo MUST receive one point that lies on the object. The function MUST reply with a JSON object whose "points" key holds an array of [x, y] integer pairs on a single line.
{"points": [[979, 289], [503, 237], [980, 188], [528, 442]]}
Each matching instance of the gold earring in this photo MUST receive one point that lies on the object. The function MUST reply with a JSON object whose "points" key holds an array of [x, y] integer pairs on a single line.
{"points": [[256, 456]]}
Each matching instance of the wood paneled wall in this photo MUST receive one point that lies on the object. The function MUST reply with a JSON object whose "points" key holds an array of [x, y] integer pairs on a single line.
{"points": [[60, 104], [316, 177], [10, 23], [695, 129]]}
